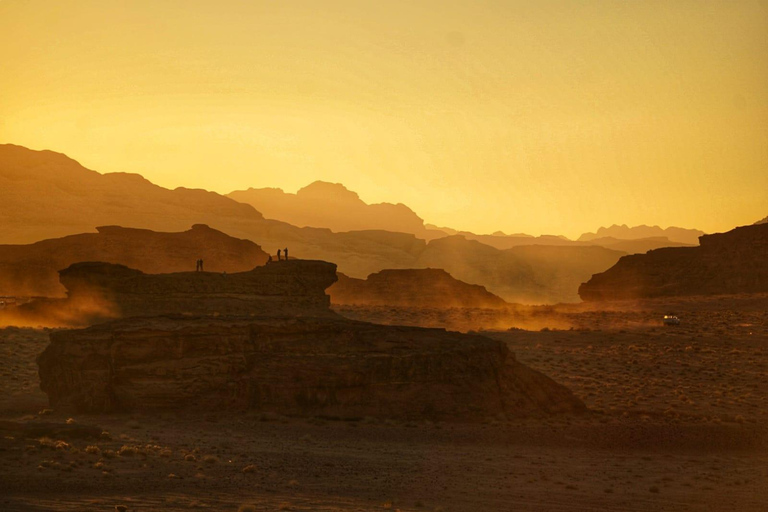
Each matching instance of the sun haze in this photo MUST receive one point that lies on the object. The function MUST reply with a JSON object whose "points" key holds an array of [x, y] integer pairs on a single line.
{"points": [[539, 117]]}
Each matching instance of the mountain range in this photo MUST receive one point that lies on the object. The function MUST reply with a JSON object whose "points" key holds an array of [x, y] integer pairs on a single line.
{"points": [[47, 195]]}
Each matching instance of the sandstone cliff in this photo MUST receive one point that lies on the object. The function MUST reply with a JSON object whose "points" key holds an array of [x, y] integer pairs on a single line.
{"points": [[430, 287], [32, 270], [293, 366], [724, 263]]}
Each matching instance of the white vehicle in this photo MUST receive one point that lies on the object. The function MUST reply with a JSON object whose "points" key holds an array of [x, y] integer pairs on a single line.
{"points": [[671, 320]]}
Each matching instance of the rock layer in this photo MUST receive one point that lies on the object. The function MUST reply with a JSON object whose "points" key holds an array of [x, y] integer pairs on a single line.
{"points": [[724, 263], [293, 366]]}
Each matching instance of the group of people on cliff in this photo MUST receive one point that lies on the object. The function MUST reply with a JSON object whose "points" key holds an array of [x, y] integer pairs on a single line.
{"points": [[280, 253]]}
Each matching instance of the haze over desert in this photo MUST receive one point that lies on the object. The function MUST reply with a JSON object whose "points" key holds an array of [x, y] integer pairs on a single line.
{"points": [[352, 256]]}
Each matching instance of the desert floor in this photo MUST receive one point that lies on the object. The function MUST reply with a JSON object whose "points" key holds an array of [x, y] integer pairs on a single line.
{"points": [[678, 422]]}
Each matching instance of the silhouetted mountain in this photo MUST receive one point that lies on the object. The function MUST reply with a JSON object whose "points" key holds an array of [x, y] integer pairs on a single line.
{"points": [[764, 221], [47, 195], [332, 206], [624, 232], [724, 263], [429, 287], [32, 270], [525, 274]]}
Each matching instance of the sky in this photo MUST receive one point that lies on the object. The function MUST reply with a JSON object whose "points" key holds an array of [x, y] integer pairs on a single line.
{"points": [[545, 117]]}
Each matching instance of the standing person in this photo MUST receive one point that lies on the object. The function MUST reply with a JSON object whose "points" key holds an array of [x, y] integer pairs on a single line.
{"points": [[197, 265], [286, 253], [201, 265], [278, 254]]}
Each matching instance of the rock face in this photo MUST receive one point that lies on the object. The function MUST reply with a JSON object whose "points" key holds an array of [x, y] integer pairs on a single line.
{"points": [[724, 263], [293, 366], [267, 340], [430, 287], [32, 270], [294, 287]]}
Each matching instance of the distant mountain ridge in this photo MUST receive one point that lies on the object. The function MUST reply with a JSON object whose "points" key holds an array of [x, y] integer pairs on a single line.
{"points": [[332, 206], [624, 232]]}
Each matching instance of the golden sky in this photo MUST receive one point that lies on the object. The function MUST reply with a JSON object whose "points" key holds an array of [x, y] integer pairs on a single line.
{"points": [[524, 116]]}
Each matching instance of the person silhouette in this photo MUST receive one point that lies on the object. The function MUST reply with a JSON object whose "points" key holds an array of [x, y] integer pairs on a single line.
{"points": [[278, 254], [286, 253], [201, 265], [269, 260], [197, 266]]}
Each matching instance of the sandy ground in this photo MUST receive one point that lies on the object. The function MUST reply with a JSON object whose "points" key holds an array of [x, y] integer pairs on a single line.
{"points": [[678, 423]]}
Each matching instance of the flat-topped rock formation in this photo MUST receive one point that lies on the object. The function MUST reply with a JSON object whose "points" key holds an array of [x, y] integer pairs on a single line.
{"points": [[429, 287], [284, 288], [724, 263], [267, 340], [32, 270], [293, 366]]}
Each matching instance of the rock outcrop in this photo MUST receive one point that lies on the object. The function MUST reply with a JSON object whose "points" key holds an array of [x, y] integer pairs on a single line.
{"points": [[267, 340], [293, 366], [420, 288], [294, 287], [724, 263], [32, 270]]}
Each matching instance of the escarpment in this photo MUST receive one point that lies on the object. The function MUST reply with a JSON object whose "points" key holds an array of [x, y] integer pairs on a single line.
{"points": [[267, 340]]}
